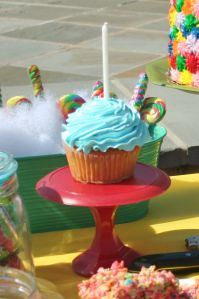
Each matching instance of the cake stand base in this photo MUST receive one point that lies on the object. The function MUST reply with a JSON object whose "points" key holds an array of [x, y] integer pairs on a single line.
{"points": [[106, 246], [87, 264]]}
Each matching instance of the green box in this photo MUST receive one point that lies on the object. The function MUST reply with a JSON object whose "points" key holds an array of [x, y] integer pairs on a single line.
{"points": [[48, 216]]}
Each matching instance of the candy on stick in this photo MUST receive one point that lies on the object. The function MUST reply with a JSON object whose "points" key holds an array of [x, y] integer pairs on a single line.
{"points": [[17, 100], [98, 91], [35, 77], [139, 91], [69, 103], [153, 110]]}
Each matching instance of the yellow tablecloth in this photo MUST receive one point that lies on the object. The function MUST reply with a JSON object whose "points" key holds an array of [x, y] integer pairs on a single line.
{"points": [[173, 216]]}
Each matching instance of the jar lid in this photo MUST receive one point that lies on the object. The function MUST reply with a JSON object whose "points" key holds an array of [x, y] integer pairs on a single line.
{"points": [[8, 167]]}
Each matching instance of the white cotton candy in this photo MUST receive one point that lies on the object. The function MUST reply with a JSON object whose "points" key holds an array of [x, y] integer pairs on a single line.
{"points": [[31, 130]]}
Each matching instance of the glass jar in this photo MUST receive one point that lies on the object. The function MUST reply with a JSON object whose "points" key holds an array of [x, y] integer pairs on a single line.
{"points": [[17, 277]]}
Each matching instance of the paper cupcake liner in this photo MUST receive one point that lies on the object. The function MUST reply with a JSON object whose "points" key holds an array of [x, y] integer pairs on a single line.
{"points": [[101, 168]]}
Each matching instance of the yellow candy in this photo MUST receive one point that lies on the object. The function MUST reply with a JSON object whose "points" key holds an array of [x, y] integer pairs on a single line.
{"points": [[17, 100]]}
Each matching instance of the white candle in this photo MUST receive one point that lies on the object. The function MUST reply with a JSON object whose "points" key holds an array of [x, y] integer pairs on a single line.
{"points": [[105, 60]]}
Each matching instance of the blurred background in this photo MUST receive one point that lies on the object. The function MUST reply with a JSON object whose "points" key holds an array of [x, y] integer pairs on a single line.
{"points": [[63, 37]]}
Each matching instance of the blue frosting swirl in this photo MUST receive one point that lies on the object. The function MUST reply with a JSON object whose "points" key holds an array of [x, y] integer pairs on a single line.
{"points": [[101, 124]]}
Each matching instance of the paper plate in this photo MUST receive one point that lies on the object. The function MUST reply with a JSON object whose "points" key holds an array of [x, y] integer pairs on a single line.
{"points": [[157, 73]]}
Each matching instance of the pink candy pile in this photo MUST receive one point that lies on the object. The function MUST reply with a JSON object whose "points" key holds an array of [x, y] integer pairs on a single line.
{"points": [[117, 283]]}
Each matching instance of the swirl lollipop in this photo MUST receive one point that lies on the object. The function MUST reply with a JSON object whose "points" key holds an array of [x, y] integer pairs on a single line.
{"points": [[69, 103], [98, 91], [17, 100], [139, 91], [35, 77], [153, 110]]}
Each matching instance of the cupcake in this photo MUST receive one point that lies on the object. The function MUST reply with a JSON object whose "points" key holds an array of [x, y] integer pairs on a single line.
{"points": [[117, 283], [102, 140]]}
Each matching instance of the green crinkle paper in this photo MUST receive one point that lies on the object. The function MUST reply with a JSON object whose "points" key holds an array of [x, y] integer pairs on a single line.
{"points": [[174, 32], [190, 21], [179, 5], [181, 63]]}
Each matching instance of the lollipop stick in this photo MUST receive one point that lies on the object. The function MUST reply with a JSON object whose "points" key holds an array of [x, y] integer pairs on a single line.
{"points": [[105, 60]]}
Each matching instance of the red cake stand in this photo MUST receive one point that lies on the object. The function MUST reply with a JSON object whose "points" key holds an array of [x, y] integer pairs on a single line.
{"points": [[103, 201]]}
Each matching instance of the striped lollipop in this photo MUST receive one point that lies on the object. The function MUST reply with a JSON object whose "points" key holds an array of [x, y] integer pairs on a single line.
{"points": [[35, 77], [153, 110], [98, 91], [69, 103], [139, 91], [17, 100]]}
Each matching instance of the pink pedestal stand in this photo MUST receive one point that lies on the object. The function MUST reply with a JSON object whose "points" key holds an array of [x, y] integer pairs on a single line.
{"points": [[103, 201]]}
